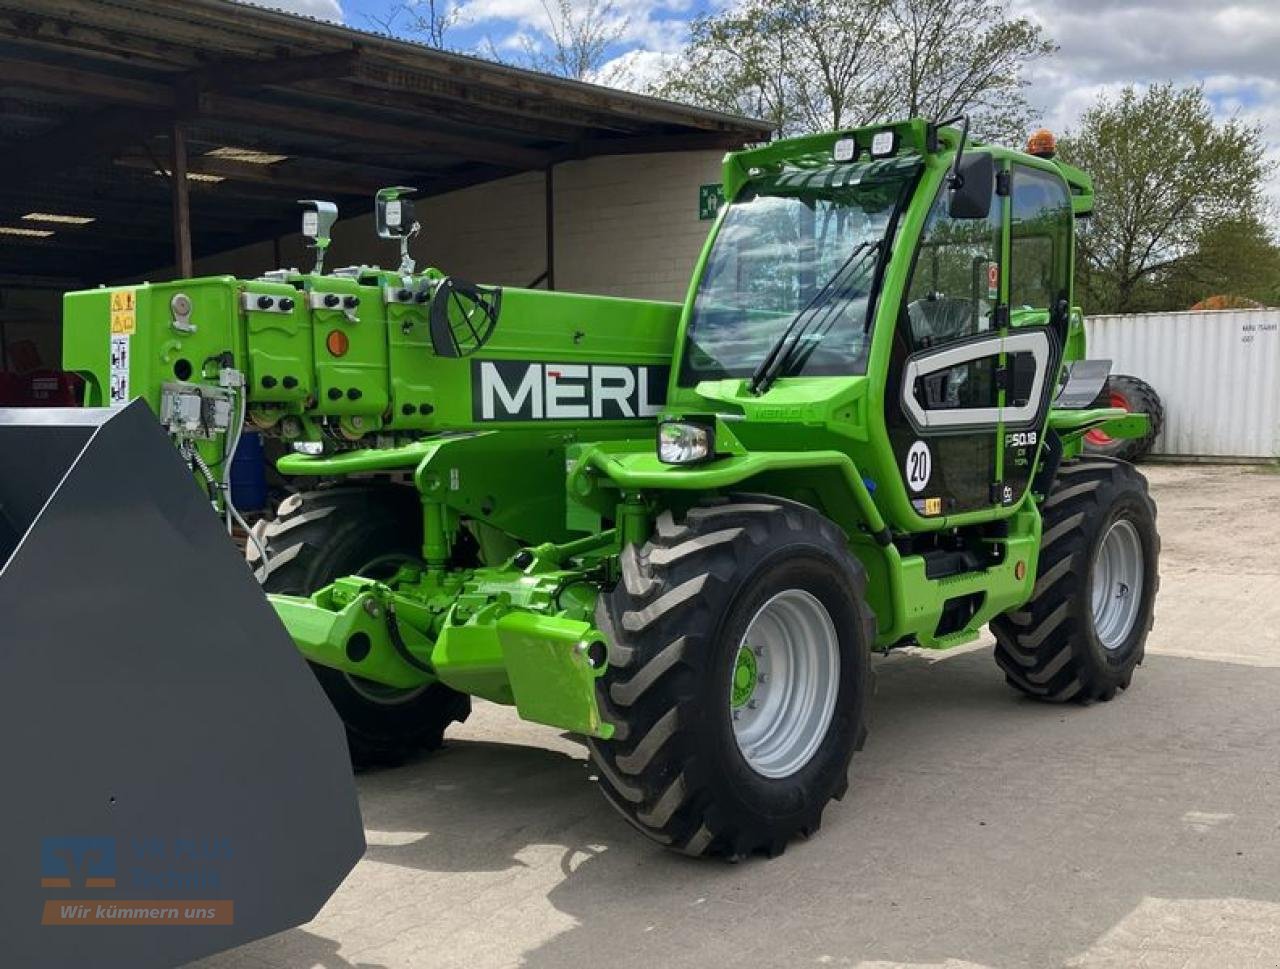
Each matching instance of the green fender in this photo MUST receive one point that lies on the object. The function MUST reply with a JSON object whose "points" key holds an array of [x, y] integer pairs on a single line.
{"points": [[630, 469], [828, 479], [1074, 424]]}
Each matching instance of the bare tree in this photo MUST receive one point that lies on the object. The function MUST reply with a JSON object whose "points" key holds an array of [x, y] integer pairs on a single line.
{"points": [[962, 56], [576, 38], [430, 19], [811, 65]]}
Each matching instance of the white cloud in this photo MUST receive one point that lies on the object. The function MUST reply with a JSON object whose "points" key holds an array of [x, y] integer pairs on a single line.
{"points": [[1106, 44], [645, 24], [635, 70], [320, 9]]}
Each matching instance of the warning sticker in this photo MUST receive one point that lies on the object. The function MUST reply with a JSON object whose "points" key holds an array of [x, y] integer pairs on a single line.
{"points": [[124, 312], [119, 389], [993, 280], [927, 506]]}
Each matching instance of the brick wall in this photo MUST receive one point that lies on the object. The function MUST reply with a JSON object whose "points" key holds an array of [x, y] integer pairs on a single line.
{"points": [[628, 225]]}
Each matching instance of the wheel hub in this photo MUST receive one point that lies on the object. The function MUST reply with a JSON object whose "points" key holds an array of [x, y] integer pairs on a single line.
{"points": [[1097, 436], [745, 676], [1116, 583], [786, 676]]}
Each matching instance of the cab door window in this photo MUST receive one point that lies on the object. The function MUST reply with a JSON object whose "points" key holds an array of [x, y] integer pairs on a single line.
{"points": [[955, 283], [1040, 239], [1040, 248]]}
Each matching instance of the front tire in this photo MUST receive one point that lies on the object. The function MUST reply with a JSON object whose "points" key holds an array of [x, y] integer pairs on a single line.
{"points": [[1084, 630], [707, 611], [323, 535]]}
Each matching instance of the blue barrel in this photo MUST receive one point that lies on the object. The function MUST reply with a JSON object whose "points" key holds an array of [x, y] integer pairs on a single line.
{"points": [[249, 474]]}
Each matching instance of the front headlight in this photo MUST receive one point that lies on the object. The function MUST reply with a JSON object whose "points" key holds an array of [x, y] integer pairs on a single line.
{"points": [[680, 442]]}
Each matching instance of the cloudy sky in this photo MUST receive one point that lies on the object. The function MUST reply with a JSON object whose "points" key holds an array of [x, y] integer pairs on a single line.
{"points": [[1229, 47]]}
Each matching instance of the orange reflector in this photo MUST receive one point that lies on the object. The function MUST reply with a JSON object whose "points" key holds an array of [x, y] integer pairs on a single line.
{"points": [[1042, 144], [337, 342], [1020, 571]]}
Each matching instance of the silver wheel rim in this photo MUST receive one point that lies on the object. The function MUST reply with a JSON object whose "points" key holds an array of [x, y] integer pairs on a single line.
{"points": [[383, 567], [782, 715], [1116, 583]]}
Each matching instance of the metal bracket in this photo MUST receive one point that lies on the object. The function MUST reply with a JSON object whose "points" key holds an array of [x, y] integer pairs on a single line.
{"points": [[1001, 493], [181, 308], [345, 303], [267, 303]]}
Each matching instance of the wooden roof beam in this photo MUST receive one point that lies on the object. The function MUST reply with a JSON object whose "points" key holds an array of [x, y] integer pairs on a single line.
{"points": [[282, 175], [215, 106], [540, 122], [650, 144], [240, 73]]}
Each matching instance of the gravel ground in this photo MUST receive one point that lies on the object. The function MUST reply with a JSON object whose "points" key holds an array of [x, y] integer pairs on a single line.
{"points": [[981, 829]]}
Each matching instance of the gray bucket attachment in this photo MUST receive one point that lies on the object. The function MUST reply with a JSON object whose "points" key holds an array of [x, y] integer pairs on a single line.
{"points": [[175, 782]]}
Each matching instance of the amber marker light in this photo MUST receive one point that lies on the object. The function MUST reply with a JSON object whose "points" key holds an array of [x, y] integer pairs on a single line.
{"points": [[337, 343], [1042, 144]]}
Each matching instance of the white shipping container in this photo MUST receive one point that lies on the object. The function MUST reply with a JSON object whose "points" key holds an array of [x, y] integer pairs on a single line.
{"points": [[1217, 373]]}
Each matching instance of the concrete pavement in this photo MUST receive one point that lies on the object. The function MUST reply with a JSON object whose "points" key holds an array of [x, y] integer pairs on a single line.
{"points": [[980, 830]]}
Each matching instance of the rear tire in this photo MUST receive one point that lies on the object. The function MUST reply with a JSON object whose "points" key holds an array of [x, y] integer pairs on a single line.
{"points": [[318, 536], [693, 601], [1137, 397], [1066, 643]]}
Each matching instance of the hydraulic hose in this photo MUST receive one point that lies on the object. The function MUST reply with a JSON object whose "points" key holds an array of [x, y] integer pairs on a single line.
{"points": [[398, 643], [233, 513]]}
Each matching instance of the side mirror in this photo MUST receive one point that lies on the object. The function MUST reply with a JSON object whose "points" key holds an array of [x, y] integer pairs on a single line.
{"points": [[394, 212], [972, 186], [317, 222]]}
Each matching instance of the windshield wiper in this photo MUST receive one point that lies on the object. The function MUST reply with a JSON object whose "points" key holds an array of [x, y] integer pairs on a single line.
{"points": [[782, 347]]}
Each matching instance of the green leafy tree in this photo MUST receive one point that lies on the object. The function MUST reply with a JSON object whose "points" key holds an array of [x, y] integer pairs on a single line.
{"points": [[1166, 176], [814, 65], [1235, 259]]}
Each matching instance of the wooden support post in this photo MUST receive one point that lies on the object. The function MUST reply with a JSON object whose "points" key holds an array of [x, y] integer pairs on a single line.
{"points": [[181, 200], [549, 192]]}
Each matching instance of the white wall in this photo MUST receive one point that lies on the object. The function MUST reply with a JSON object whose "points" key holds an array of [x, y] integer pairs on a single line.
{"points": [[624, 226]]}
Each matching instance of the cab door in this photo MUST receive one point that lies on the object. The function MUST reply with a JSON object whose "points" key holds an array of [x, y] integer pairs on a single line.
{"points": [[1041, 226], [943, 397]]}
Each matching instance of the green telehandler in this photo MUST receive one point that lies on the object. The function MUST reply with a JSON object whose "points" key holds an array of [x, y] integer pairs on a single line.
{"points": [[679, 530]]}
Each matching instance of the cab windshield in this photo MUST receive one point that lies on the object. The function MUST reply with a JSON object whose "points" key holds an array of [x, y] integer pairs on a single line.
{"points": [[800, 243]]}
